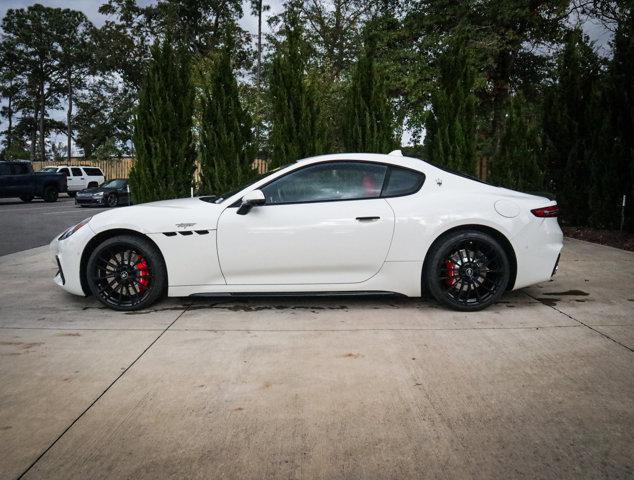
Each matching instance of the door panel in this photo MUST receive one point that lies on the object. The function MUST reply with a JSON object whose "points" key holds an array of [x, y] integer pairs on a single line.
{"points": [[310, 243]]}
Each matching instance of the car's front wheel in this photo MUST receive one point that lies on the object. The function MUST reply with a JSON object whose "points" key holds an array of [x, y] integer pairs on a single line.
{"points": [[126, 272], [112, 200], [467, 270]]}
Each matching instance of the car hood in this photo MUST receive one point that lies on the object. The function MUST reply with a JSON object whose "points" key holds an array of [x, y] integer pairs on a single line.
{"points": [[160, 217], [92, 191]]}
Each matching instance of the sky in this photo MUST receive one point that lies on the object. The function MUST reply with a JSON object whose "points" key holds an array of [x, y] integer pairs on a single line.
{"points": [[595, 31]]}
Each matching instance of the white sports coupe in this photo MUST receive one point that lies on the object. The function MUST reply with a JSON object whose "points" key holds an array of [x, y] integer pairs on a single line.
{"points": [[332, 224]]}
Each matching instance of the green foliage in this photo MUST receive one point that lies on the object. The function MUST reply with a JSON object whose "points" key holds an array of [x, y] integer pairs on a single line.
{"points": [[296, 129], [620, 98], [165, 151], [368, 122], [450, 139], [518, 165], [571, 117], [105, 109], [225, 143]]}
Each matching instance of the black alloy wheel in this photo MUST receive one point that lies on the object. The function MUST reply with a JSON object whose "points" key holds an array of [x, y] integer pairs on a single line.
{"points": [[126, 273], [467, 270], [50, 194], [112, 200]]}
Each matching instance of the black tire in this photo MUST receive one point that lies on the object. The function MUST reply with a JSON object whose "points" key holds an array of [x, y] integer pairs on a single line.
{"points": [[71, 194], [466, 270], [112, 200], [126, 273], [50, 194], [26, 198]]}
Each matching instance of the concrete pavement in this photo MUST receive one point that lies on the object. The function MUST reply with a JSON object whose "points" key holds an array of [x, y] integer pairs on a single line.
{"points": [[539, 386]]}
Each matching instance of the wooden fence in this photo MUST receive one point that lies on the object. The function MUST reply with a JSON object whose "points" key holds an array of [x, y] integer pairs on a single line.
{"points": [[120, 167], [113, 168]]}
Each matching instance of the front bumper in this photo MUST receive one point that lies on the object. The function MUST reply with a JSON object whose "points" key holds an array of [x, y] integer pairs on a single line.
{"points": [[79, 200], [66, 254]]}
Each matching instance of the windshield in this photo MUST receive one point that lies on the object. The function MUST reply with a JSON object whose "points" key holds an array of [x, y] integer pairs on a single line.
{"points": [[49, 170], [221, 198], [119, 183]]}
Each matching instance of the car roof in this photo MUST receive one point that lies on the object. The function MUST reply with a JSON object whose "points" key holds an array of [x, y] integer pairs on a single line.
{"points": [[394, 158]]}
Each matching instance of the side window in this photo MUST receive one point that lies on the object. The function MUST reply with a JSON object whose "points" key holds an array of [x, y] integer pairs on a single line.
{"points": [[93, 172], [402, 181], [77, 172], [20, 169], [64, 171], [326, 182], [5, 168]]}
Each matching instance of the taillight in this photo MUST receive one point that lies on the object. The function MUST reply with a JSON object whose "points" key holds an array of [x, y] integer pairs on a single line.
{"points": [[546, 212]]}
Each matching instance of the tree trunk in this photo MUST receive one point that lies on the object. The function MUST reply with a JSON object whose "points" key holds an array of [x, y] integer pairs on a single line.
{"points": [[10, 118], [69, 115], [34, 130], [501, 90], [42, 114]]}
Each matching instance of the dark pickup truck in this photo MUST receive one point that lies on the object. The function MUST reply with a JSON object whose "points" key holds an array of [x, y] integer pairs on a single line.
{"points": [[17, 179]]}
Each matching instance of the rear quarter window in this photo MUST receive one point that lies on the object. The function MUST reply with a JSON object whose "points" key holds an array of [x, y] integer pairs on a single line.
{"points": [[403, 181], [93, 172]]}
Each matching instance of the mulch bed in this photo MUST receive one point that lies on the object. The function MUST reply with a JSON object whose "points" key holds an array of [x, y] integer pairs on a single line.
{"points": [[612, 238]]}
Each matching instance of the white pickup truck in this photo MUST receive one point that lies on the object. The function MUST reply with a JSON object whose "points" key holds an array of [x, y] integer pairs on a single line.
{"points": [[78, 177]]}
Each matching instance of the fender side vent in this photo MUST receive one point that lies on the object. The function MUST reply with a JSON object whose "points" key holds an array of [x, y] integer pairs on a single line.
{"points": [[169, 234], [186, 233], [202, 232]]}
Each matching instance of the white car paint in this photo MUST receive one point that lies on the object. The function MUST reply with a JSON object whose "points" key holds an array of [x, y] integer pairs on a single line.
{"points": [[321, 246]]}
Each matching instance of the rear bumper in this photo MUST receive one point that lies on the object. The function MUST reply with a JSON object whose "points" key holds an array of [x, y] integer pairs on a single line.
{"points": [[537, 249]]}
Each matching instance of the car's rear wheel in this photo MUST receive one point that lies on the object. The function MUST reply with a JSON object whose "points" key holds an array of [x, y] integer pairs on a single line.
{"points": [[26, 198], [50, 194], [126, 273], [467, 270]]}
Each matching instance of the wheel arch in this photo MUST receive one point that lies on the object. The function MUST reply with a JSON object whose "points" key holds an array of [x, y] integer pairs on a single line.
{"points": [[499, 236], [100, 237]]}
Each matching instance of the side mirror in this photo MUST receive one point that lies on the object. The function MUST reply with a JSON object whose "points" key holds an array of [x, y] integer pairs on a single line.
{"points": [[250, 200]]}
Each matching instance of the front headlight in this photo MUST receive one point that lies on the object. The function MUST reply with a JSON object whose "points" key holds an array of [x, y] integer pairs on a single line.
{"points": [[98, 194], [73, 229]]}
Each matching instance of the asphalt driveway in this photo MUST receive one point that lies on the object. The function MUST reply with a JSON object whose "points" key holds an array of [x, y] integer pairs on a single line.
{"points": [[29, 225], [539, 386]]}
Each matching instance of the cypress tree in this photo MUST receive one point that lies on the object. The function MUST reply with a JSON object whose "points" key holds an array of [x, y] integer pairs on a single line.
{"points": [[368, 120], [296, 129], [571, 116], [451, 128], [518, 164], [165, 151], [225, 150], [621, 101]]}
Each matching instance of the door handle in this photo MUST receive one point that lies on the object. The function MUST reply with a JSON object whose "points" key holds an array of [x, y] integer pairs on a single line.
{"points": [[368, 219]]}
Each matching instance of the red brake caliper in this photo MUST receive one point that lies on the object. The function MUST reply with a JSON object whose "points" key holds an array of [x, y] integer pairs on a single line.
{"points": [[144, 272], [451, 273]]}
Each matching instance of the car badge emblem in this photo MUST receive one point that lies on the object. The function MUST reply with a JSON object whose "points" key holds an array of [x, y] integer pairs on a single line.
{"points": [[185, 225], [439, 182]]}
